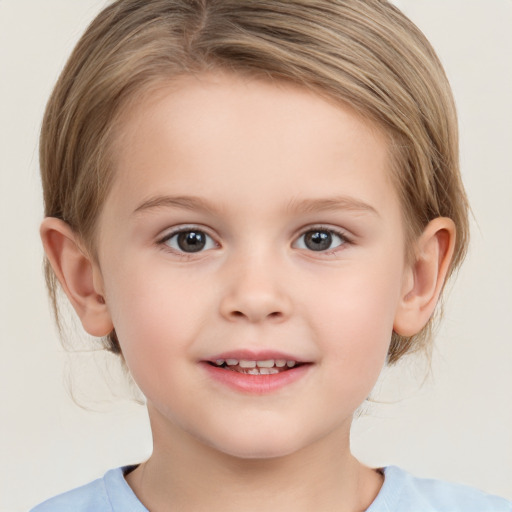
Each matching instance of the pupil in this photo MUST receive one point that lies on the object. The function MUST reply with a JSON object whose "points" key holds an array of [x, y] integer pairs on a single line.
{"points": [[318, 240], [191, 241]]}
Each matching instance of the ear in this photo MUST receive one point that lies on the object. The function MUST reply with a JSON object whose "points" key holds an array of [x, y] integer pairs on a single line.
{"points": [[425, 277], [78, 275]]}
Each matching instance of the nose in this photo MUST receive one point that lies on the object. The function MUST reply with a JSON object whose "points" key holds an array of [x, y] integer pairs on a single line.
{"points": [[255, 292]]}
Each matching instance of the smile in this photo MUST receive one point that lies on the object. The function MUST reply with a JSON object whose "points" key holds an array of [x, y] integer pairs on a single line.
{"points": [[256, 373], [251, 367]]}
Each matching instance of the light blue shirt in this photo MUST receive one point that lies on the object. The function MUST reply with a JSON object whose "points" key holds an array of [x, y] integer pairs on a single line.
{"points": [[401, 492]]}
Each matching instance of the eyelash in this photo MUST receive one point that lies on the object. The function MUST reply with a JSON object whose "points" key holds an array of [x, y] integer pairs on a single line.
{"points": [[185, 229], [344, 240]]}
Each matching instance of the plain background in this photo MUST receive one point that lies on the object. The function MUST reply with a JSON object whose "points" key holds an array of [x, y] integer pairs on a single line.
{"points": [[457, 426]]}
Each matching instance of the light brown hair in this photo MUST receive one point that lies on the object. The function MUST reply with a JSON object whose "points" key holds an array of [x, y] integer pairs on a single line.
{"points": [[364, 53]]}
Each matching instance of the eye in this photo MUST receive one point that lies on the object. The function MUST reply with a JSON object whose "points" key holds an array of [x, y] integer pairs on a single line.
{"points": [[188, 240], [320, 240]]}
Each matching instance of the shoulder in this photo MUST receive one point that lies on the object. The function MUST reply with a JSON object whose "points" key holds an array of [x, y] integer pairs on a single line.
{"points": [[108, 494], [403, 492]]}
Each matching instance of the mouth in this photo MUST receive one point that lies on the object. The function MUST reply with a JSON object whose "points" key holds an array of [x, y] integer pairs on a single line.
{"points": [[256, 367], [250, 373]]}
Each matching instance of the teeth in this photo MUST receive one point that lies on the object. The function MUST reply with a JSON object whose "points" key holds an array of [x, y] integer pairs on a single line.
{"points": [[247, 364], [262, 371], [268, 371], [265, 364]]}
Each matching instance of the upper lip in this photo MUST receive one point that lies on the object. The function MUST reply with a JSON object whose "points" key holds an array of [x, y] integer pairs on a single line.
{"points": [[255, 355]]}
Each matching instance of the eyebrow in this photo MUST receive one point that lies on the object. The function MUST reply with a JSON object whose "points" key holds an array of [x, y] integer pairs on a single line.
{"points": [[331, 204], [186, 202], [295, 205]]}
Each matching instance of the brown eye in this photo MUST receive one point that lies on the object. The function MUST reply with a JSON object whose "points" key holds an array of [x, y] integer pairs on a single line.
{"points": [[319, 240], [189, 241]]}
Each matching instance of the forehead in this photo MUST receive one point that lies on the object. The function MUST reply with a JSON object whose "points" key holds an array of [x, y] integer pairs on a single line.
{"points": [[219, 133]]}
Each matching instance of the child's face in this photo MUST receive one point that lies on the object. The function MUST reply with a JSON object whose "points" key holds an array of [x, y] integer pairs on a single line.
{"points": [[263, 177]]}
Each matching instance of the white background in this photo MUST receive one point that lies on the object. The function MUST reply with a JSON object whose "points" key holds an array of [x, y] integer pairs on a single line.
{"points": [[458, 426]]}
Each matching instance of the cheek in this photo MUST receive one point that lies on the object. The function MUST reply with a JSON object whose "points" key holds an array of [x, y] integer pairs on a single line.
{"points": [[155, 317], [355, 320]]}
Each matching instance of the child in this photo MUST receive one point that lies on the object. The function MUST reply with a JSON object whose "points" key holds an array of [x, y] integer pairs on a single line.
{"points": [[257, 205]]}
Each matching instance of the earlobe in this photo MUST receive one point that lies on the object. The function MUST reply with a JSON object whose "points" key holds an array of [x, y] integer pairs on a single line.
{"points": [[77, 274], [425, 277]]}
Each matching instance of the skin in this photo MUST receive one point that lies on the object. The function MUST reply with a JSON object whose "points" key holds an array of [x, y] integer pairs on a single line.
{"points": [[253, 150]]}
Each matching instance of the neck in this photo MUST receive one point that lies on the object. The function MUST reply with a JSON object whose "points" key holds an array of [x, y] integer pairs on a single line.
{"points": [[185, 474]]}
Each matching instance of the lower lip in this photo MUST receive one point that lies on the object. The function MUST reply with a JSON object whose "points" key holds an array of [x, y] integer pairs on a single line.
{"points": [[255, 384]]}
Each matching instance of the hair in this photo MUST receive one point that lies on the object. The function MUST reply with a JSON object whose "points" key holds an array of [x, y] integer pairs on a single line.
{"points": [[362, 53]]}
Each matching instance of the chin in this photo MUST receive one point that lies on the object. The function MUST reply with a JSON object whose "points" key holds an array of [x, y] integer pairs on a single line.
{"points": [[259, 446], [258, 453]]}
